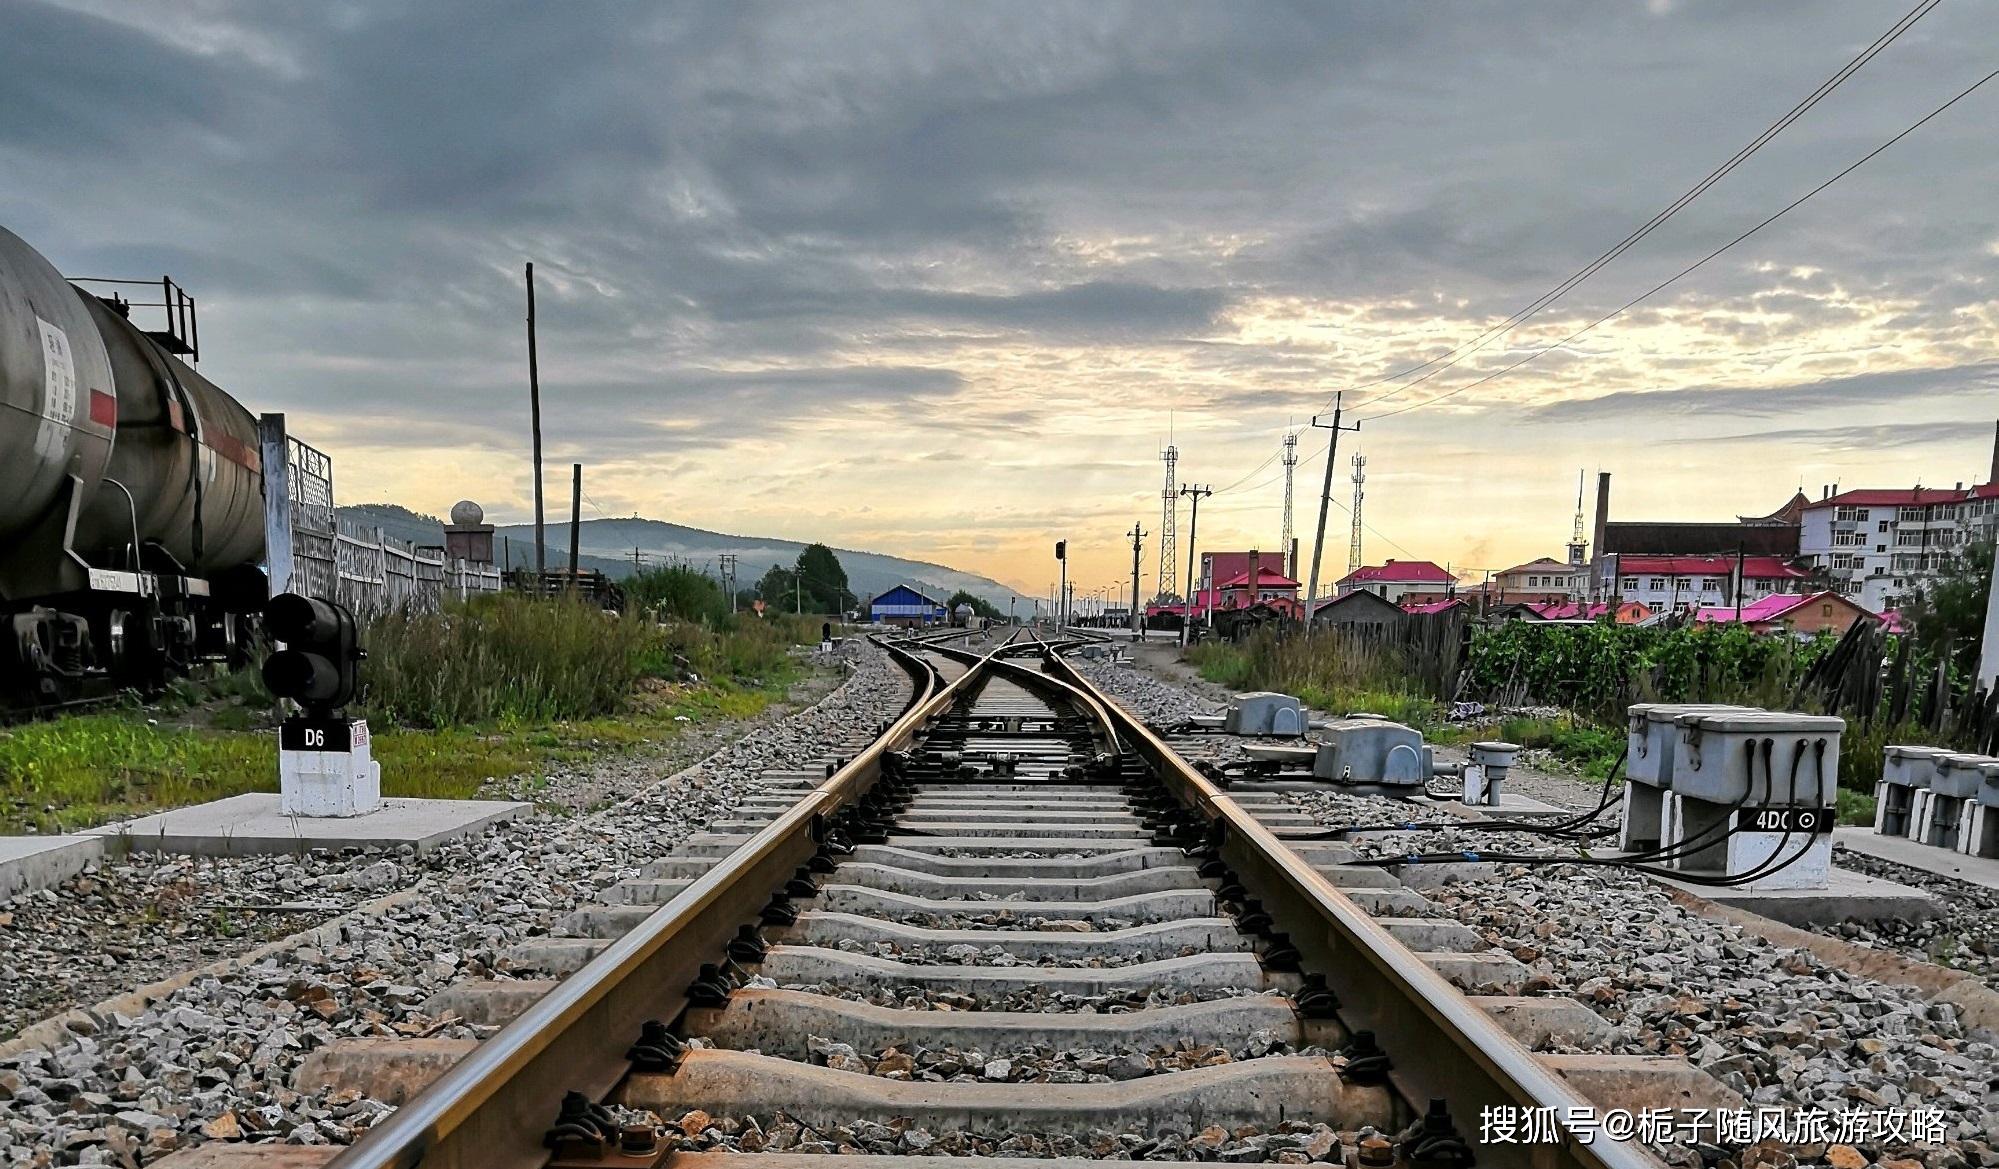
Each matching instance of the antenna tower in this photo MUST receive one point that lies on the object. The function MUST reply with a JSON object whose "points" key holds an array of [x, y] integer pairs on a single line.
{"points": [[1170, 501], [1578, 543], [1286, 548], [1359, 493]]}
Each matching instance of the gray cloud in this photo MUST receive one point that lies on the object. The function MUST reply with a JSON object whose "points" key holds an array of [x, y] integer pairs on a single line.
{"points": [[751, 219]]}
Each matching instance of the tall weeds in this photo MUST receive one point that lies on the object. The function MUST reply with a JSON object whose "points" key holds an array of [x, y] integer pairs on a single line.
{"points": [[505, 659]]}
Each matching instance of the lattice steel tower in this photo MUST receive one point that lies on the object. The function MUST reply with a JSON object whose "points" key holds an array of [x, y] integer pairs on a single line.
{"points": [[1359, 493], [1170, 501], [1286, 548]]}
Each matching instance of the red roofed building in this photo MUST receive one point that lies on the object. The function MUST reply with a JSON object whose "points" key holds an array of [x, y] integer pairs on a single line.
{"points": [[1875, 545], [1401, 578], [1668, 584], [1806, 615]]}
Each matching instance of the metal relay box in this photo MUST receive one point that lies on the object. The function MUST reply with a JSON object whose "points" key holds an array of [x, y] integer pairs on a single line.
{"points": [[1373, 751], [1264, 712]]}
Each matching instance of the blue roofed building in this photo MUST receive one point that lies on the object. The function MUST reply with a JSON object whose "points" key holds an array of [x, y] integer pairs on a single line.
{"points": [[903, 605]]}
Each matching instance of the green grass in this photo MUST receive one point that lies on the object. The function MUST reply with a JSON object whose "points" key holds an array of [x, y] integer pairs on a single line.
{"points": [[1328, 673], [83, 770], [502, 687]]}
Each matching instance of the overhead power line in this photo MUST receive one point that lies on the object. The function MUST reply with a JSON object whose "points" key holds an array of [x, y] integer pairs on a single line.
{"points": [[1697, 264], [1466, 349]]}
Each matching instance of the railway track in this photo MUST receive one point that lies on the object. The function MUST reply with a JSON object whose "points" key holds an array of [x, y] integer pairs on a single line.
{"points": [[1016, 922]]}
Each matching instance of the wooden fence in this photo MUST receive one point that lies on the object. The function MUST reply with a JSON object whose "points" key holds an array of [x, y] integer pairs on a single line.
{"points": [[1872, 678], [377, 574]]}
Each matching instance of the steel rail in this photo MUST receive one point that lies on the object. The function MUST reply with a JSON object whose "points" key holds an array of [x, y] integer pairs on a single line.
{"points": [[491, 1108], [1443, 1046]]}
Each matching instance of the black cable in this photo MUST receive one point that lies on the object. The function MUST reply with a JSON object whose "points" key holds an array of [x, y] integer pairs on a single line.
{"points": [[1651, 225], [1697, 264]]}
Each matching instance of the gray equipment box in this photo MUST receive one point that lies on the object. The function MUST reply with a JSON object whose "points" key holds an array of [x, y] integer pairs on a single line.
{"points": [[1959, 777], [1906, 772], [1988, 792], [1265, 713], [1761, 757], [1373, 751], [1651, 735]]}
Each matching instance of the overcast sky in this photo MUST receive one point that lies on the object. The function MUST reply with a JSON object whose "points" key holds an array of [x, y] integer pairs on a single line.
{"points": [[930, 278]]}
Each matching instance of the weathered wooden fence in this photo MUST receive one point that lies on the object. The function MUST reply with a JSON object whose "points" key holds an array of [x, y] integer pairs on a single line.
{"points": [[377, 574], [1873, 678]]}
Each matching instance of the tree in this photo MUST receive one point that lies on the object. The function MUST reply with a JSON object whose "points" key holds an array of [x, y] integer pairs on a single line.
{"points": [[776, 587], [825, 582], [1946, 614], [980, 605], [676, 592]]}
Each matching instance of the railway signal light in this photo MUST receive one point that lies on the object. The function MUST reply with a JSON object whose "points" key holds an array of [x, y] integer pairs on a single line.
{"points": [[319, 668], [1061, 549]]}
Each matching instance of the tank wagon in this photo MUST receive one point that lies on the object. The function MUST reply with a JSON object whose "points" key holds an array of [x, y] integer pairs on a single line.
{"points": [[131, 494]]}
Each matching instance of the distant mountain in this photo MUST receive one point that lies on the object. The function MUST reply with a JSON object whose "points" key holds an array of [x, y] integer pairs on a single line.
{"points": [[607, 546]]}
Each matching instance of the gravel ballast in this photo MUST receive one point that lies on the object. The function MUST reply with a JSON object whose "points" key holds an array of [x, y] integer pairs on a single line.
{"points": [[214, 1059], [1774, 1023]]}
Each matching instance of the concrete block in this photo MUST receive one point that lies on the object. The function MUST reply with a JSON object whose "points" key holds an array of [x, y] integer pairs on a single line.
{"points": [[1098, 864], [1944, 863], [218, 1155], [1151, 941], [1639, 1082], [1848, 896], [31, 863], [1160, 905], [779, 1022], [806, 965], [1432, 933], [604, 921], [553, 955], [1540, 1023], [1489, 972], [390, 1070], [1260, 1092], [1076, 885], [645, 891], [488, 1002], [1390, 902], [251, 824]]}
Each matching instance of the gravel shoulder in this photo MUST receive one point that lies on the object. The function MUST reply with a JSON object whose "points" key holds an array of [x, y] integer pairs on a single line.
{"points": [[1774, 1023], [214, 1059]]}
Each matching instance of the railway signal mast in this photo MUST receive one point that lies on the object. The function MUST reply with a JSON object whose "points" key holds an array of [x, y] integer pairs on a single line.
{"points": [[325, 767]]}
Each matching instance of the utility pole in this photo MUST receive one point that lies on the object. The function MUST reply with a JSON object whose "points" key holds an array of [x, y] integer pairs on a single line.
{"points": [[728, 560], [1325, 499], [1137, 535], [575, 519], [1988, 648], [1193, 536], [534, 416]]}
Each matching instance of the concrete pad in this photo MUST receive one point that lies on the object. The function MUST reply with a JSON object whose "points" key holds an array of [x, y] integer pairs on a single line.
{"points": [[1540, 1023], [251, 824], [779, 1022], [1156, 905], [1929, 858], [1154, 940], [30, 863], [1639, 1082], [1488, 973], [1262, 1092], [390, 1070], [488, 1002], [553, 955], [1849, 896], [1056, 886], [806, 965]]}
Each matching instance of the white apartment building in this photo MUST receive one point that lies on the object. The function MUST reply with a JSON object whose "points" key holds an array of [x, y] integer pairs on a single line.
{"points": [[1877, 544]]}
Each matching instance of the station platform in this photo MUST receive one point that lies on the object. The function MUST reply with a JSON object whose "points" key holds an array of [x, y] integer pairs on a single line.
{"points": [[251, 824], [1929, 858], [30, 863]]}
